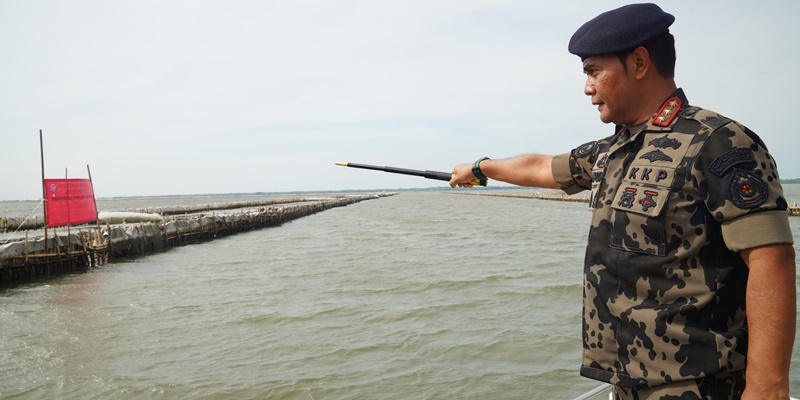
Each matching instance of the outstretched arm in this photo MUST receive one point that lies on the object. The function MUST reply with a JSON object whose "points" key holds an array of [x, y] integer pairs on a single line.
{"points": [[771, 316], [526, 170]]}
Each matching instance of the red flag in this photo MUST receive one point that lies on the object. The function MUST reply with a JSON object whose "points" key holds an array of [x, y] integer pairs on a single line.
{"points": [[69, 201]]}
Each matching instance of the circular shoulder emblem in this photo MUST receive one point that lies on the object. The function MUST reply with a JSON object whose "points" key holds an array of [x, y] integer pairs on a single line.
{"points": [[747, 190], [584, 150]]}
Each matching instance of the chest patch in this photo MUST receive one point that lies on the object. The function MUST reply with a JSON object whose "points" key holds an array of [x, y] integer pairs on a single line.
{"points": [[648, 201], [656, 155], [598, 174], [664, 142], [602, 161]]}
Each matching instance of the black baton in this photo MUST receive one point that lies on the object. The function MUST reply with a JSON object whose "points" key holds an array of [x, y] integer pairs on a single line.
{"points": [[438, 175]]}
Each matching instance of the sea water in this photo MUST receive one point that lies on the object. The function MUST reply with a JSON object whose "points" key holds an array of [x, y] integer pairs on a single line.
{"points": [[423, 295]]}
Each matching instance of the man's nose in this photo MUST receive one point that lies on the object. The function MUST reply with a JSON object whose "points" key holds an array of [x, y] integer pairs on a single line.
{"points": [[588, 89]]}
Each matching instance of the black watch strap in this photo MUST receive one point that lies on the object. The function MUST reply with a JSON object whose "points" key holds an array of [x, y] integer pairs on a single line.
{"points": [[476, 169]]}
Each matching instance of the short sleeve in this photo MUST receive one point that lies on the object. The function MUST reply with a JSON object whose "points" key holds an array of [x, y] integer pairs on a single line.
{"points": [[739, 181], [573, 171]]}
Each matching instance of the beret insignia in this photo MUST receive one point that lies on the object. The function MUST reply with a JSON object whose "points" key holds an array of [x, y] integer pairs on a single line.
{"points": [[730, 158], [656, 155], [664, 142], [584, 150], [668, 112], [747, 190]]}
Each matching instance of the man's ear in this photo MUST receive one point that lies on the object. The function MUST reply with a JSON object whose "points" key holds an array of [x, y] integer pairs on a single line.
{"points": [[639, 62]]}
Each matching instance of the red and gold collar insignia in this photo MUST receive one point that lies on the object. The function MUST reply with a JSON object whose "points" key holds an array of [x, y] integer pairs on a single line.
{"points": [[668, 112]]}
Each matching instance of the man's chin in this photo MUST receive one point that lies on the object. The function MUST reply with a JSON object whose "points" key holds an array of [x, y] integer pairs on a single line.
{"points": [[605, 119]]}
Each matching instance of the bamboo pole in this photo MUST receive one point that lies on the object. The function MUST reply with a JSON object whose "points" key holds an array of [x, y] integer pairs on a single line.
{"points": [[69, 215], [58, 250], [44, 189], [83, 242], [26, 248], [97, 213]]}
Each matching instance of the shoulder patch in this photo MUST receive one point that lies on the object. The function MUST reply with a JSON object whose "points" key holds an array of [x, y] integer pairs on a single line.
{"points": [[584, 150], [730, 158], [747, 190]]}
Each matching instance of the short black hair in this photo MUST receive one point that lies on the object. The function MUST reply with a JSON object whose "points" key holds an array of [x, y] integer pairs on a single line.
{"points": [[662, 53]]}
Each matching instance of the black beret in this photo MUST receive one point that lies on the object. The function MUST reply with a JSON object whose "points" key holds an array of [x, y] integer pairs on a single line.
{"points": [[619, 30]]}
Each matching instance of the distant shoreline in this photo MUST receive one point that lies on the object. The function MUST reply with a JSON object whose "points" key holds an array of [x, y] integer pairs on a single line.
{"points": [[328, 192]]}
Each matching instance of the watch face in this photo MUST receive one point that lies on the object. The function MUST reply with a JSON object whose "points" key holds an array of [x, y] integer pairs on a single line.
{"points": [[476, 169]]}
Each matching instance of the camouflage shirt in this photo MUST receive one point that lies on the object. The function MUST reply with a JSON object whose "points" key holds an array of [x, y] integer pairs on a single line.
{"points": [[673, 204]]}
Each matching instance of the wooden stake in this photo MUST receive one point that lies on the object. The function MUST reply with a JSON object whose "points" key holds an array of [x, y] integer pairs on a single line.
{"points": [[44, 190]]}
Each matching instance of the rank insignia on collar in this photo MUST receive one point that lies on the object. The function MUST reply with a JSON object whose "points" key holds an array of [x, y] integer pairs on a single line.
{"points": [[668, 112]]}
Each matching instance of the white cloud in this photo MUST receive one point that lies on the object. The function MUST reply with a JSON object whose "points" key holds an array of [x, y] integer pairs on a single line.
{"points": [[179, 97]]}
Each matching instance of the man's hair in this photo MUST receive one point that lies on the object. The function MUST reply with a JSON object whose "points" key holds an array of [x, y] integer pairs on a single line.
{"points": [[662, 54]]}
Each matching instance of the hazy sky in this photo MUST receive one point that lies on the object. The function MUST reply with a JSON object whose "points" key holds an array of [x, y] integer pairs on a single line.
{"points": [[186, 97]]}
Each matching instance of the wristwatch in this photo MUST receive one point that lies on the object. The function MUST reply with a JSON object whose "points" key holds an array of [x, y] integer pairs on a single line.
{"points": [[476, 169]]}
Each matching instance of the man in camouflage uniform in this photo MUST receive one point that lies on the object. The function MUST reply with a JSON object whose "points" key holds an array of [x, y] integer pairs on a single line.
{"points": [[689, 223]]}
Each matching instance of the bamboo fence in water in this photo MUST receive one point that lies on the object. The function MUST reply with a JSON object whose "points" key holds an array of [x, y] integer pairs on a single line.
{"points": [[83, 247]]}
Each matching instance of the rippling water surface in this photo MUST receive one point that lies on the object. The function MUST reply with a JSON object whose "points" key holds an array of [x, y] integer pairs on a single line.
{"points": [[404, 297]]}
